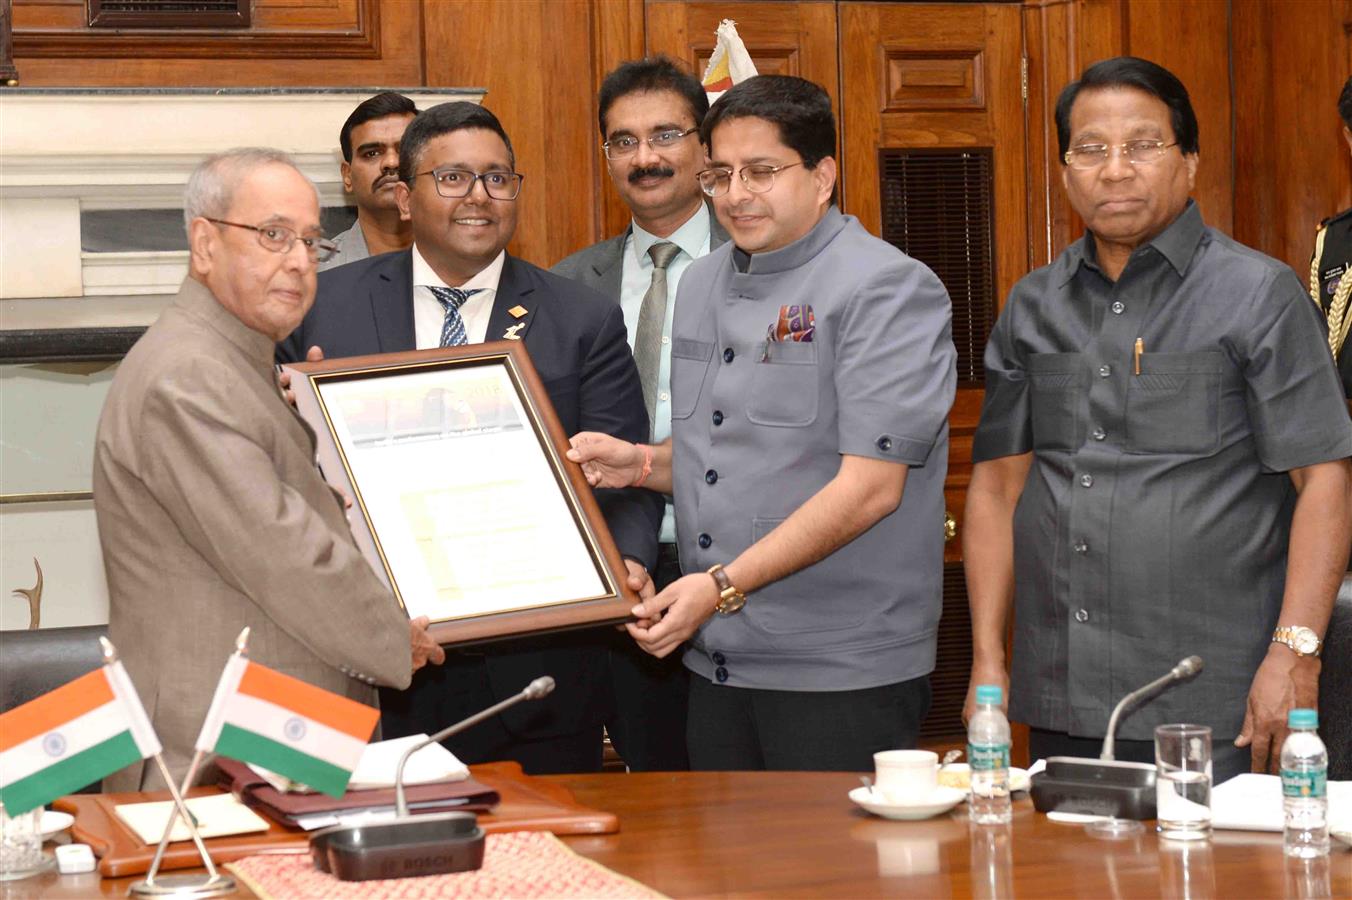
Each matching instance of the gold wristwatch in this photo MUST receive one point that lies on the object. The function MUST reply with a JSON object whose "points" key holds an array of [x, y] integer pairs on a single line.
{"points": [[729, 598], [1302, 641]]}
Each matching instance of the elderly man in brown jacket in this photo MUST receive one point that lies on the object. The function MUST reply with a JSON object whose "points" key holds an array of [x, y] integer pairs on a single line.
{"points": [[211, 512]]}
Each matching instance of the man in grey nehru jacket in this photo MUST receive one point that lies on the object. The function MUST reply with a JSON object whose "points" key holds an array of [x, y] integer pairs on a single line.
{"points": [[812, 373]]}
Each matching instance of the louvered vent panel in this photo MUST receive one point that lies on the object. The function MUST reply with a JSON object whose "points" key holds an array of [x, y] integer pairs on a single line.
{"points": [[169, 13], [948, 683], [937, 208]]}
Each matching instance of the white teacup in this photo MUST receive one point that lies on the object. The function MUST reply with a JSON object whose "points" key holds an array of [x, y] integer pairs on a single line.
{"points": [[906, 776]]}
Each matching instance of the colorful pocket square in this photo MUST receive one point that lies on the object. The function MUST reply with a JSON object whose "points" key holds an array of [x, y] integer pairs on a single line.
{"points": [[795, 323]]}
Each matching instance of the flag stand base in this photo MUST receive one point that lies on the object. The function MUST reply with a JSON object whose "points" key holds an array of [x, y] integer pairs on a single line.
{"points": [[184, 886]]}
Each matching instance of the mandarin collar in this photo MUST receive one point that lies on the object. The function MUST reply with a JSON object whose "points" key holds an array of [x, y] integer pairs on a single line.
{"points": [[800, 251]]}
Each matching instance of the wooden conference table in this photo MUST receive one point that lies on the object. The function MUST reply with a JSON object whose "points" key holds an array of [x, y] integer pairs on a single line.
{"points": [[798, 835]]}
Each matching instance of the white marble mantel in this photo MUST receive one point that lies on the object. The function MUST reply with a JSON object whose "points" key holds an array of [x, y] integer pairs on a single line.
{"points": [[67, 150]]}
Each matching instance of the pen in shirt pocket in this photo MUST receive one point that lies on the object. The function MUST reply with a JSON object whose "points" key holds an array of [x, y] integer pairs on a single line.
{"points": [[1140, 348]]}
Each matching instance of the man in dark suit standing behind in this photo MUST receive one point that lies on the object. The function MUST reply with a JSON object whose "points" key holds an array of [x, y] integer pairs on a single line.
{"points": [[457, 285], [650, 110]]}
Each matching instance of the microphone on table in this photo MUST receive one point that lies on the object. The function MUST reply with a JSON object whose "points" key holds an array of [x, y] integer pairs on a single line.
{"points": [[1107, 786], [1186, 669], [408, 846]]}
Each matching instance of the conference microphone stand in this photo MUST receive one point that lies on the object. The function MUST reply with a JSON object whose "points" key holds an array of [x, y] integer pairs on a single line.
{"points": [[538, 688], [1186, 669], [408, 846], [1106, 786]]}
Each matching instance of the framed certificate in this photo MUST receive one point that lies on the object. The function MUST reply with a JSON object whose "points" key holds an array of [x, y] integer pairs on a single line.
{"points": [[463, 501]]}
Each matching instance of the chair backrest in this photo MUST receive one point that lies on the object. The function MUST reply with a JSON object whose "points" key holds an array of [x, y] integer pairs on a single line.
{"points": [[34, 662], [1335, 686]]}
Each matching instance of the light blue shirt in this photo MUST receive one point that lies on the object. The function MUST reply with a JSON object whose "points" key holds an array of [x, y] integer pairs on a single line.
{"points": [[693, 239]]}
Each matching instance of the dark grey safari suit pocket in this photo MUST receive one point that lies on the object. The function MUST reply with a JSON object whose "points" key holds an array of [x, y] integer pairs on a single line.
{"points": [[1173, 406], [1056, 382]]}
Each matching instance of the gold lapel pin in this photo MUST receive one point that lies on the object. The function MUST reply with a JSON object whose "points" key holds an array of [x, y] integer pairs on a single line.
{"points": [[518, 311]]}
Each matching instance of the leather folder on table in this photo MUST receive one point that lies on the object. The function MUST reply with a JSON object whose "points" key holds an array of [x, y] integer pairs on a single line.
{"points": [[287, 808]]}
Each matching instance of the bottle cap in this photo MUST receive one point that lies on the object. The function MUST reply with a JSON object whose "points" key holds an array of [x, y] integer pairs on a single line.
{"points": [[1302, 718], [989, 693]]}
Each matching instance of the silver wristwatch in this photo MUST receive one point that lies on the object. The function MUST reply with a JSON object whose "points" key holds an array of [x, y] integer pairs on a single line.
{"points": [[1300, 639]]}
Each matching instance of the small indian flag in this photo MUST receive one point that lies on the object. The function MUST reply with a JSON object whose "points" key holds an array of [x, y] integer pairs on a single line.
{"points": [[293, 728], [71, 737]]}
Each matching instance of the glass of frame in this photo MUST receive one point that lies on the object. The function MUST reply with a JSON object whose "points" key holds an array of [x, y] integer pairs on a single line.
{"points": [[463, 501]]}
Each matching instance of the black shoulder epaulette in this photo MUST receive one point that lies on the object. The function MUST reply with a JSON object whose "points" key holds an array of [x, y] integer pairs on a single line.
{"points": [[1334, 218]]}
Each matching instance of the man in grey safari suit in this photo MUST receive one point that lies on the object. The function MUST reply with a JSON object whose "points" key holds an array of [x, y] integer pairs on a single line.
{"points": [[650, 112]]}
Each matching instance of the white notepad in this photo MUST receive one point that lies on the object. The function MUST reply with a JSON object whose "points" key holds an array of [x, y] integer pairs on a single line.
{"points": [[1253, 802], [217, 816]]}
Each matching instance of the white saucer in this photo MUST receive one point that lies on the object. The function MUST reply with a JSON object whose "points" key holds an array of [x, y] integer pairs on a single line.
{"points": [[53, 823], [941, 801]]}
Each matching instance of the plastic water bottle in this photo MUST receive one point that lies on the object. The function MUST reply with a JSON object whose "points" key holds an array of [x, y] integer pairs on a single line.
{"points": [[1305, 772], [988, 755]]}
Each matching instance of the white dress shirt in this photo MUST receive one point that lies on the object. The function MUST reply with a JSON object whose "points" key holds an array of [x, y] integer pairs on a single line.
{"points": [[637, 276], [429, 315]]}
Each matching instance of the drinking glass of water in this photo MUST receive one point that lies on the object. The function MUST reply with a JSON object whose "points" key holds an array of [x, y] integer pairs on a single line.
{"points": [[1183, 782], [21, 845]]}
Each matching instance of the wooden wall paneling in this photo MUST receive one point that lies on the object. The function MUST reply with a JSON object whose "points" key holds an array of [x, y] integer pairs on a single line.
{"points": [[535, 57], [1192, 40], [783, 38], [1292, 166], [1062, 39], [9, 76], [292, 43], [619, 37]]}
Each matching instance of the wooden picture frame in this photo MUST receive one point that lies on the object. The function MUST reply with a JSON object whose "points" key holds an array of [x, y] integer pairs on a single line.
{"points": [[454, 461]]}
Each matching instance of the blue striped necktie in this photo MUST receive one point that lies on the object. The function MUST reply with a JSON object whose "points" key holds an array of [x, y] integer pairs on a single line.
{"points": [[453, 326]]}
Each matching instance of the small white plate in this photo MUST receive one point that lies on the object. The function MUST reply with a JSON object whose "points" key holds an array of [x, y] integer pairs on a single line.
{"points": [[1019, 779], [941, 801], [53, 823]]}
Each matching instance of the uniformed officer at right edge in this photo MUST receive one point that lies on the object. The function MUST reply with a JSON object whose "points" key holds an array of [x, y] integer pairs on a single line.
{"points": [[1331, 267]]}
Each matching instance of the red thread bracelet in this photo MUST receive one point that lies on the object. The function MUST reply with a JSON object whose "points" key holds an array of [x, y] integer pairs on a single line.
{"points": [[647, 465]]}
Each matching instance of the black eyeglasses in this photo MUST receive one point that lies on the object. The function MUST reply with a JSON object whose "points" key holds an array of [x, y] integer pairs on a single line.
{"points": [[758, 178], [280, 239], [455, 183], [627, 145]]}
